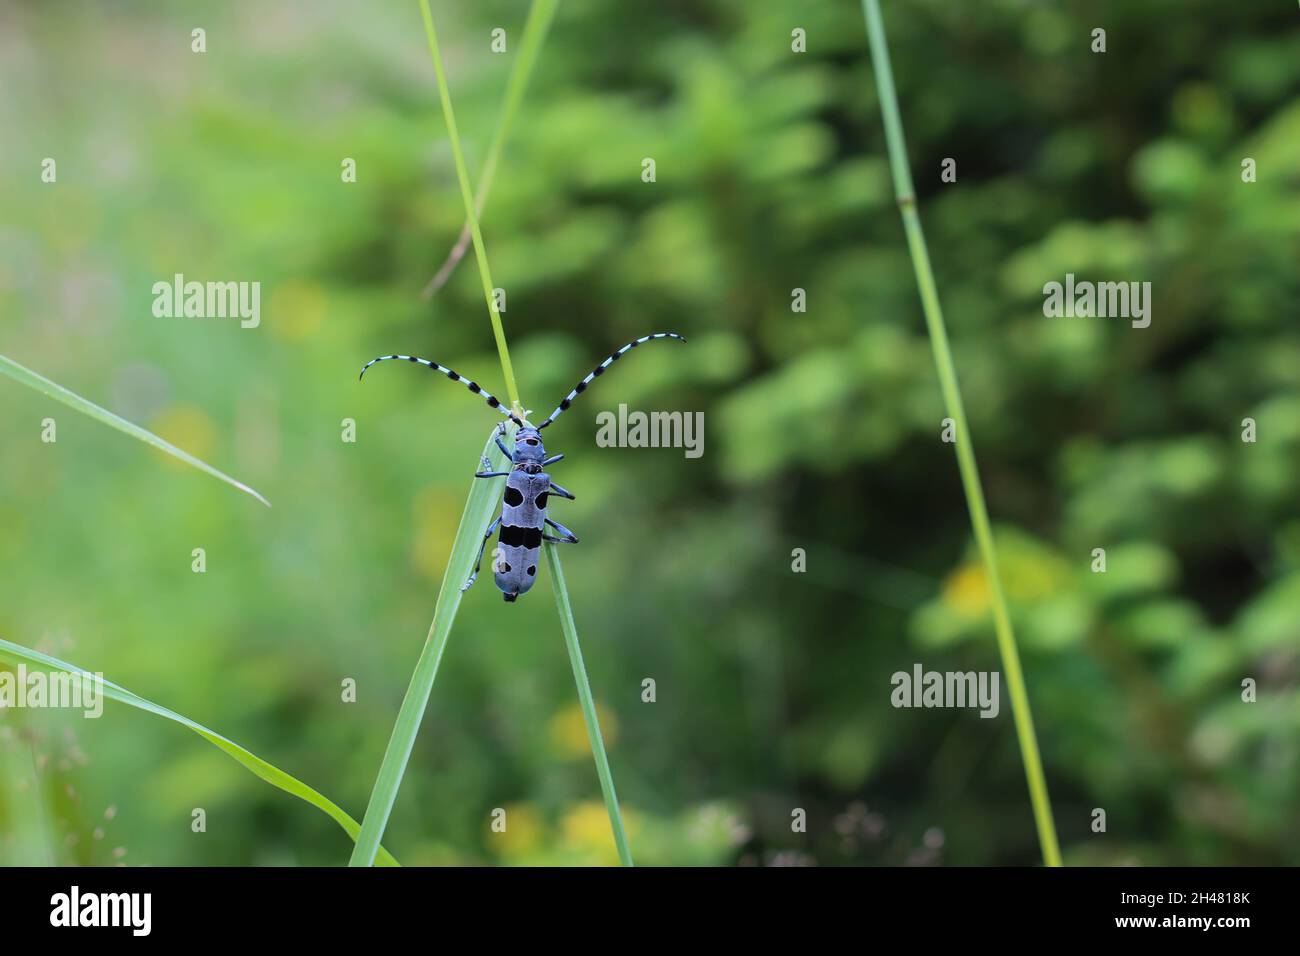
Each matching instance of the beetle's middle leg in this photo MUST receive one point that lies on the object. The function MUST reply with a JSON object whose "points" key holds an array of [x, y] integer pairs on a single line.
{"points": [[562, 492], [478, 562]]}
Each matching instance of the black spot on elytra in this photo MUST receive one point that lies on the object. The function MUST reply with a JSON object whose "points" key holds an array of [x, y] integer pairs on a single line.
{"points": [[513, 498], [541, 500], [532, 569]]}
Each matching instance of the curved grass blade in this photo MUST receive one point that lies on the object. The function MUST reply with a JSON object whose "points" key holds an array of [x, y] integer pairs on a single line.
{"points": [[484, 495], [970, 476], [54, 390], [17, 654], [588, 704], [540, 15]]}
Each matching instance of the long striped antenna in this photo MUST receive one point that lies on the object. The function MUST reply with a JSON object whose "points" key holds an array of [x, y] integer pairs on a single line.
{"points": [[451, 374], [600, 370]]}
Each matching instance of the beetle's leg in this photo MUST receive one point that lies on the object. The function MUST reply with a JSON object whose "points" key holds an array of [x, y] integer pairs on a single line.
{"points": [[487, 535], [561, 492], [486, 470], [552, 460], [566, 536]]}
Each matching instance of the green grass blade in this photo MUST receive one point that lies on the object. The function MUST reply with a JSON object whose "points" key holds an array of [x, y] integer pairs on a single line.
{"points": [[26, 376], [11, 653], [970, 478], [540, 15], [484, 495], [588, 704]]}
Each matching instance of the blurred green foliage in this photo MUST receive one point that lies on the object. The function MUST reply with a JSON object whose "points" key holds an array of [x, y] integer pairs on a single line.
{"points": [[822, 428]]}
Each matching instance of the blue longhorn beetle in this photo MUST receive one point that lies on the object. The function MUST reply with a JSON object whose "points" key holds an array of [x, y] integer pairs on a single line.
{"points": [[523, 518]]}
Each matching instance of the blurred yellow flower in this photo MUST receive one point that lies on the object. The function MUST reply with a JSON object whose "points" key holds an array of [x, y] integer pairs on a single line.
{"points": [[522, 835], [568, 730], [585, 830], [188, 428], [966, 591], [1031, 574]]}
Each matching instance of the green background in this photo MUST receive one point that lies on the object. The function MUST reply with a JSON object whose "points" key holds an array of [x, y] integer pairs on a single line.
{"points": [[821, 428]]}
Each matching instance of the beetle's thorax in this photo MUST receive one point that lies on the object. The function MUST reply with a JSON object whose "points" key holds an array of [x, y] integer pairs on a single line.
{"points": [[529, 452]]}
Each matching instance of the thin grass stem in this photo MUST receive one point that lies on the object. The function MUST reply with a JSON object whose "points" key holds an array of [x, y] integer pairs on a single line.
{"points": [[462, 175], [587, 702], [540, 15], [970, 479]]}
